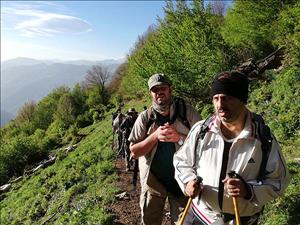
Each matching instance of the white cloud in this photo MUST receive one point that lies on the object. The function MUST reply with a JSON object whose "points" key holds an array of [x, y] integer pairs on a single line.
{"points": [[33, 22], [13, 49]]}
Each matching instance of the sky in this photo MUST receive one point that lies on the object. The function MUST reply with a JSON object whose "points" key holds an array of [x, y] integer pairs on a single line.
{"points": [[74, 30]]}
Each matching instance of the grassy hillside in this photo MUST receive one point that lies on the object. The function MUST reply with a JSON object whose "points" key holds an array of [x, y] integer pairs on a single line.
{"points": [[79, 186], [74, 190]]}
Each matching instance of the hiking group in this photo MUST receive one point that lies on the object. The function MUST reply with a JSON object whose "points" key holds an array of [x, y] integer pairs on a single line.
{"points": [[224, 168], [122, 125]]}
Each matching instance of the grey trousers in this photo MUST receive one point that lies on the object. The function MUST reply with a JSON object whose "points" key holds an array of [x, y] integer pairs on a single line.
{"points": [[152, 203]]}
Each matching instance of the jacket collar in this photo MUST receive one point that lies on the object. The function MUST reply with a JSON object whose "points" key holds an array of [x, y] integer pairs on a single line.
{"points": [[247, 133]]}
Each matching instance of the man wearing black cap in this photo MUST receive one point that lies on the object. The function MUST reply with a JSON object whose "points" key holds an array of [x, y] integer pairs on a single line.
{"points": [[231, 142], [155, 146]]}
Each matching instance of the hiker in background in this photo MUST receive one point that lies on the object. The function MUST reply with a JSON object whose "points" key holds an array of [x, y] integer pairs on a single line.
{"points": [[156, 135], [129, 120], [234, 139], [117, 119], [114, 116], [126, 128]]}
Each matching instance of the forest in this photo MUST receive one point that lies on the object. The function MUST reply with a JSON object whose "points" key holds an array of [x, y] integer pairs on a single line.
{"points": [[191, 44]]}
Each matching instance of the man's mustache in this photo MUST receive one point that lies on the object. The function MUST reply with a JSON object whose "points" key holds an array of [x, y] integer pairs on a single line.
{"points": [[223, 109]]}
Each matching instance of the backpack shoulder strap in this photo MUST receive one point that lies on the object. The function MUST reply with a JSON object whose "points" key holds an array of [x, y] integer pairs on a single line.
{"points": [[263, 133], [205, 127], [180, 112], [201, 134], [150, 118]]}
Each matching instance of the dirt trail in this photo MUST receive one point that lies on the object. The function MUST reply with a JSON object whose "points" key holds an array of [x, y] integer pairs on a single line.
{"points": [[126, 210]]}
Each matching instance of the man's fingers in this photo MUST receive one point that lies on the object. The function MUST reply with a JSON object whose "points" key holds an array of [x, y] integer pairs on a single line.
{"points": [[233, 191]]}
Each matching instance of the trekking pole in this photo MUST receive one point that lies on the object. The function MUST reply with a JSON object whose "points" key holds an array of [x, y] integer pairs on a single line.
{"points": [[232, 174], [198, 181]]}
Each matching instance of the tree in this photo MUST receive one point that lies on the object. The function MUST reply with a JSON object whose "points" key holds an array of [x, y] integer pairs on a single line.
{"points": [[65, 110], [46, 108], [79, 100], [248, 27], [187, 46], [98, 76], [218, 7], [287, 30], [26, 112]]}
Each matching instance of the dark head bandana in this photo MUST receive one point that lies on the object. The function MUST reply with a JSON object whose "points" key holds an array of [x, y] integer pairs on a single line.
{"points": [[231, 83]]}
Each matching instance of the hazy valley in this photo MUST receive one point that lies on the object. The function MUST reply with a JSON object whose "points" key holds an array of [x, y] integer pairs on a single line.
{"points": [[25, 79]]}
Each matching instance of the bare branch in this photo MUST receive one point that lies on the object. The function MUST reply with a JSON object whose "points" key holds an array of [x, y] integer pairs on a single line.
{"points": [[254, 69], [97, 76]]}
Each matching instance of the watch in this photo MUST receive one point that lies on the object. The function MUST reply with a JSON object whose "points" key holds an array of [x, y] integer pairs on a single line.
{"points": [[180, 142]]}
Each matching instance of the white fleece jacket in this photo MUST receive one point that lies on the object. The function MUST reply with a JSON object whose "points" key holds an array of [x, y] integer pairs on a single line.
{"points": [[245, 157]]}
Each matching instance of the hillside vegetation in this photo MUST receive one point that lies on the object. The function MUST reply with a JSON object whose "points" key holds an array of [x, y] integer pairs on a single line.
{"points": [[191, 44]]}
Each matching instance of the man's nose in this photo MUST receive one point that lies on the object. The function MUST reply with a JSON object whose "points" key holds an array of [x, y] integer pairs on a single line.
{"points": [[220, 102]]}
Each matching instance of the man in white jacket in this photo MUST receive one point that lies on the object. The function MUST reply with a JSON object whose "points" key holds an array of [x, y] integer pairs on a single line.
{"points": [[231, 142]]}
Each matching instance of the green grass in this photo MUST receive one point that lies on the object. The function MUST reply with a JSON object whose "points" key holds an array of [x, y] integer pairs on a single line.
{"points": [[285, 210], [74, 190], [78, 188]]}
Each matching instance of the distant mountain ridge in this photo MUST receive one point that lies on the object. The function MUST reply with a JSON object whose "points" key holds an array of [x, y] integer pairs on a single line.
{"points": [[26, 79]]}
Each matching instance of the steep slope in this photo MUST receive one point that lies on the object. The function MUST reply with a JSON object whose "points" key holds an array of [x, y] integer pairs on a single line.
{"points": [[74, 190], [80, 187]]}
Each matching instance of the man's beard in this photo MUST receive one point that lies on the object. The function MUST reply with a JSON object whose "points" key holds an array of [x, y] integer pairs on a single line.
{"points": [[162, 108]]}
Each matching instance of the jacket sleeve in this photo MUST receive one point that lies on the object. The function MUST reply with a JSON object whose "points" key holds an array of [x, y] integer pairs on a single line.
{"points": [[275, 181], [184, 159]]}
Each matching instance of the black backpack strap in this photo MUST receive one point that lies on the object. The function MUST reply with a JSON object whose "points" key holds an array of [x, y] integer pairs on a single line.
{"points": [[180, 112], [205, 127], [263, 133], [151, 118], [202, 132]]}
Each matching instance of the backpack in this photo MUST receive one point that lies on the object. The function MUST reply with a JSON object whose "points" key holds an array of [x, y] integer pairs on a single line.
{"points": [[180, 113], [263, 133]]}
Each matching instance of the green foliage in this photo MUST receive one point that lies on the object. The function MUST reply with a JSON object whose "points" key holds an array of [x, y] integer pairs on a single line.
{"points": [[74, 190], [26, 112], [45, 110], [94, 97], [285, 210], [71, 135], [78, 100], [279, 101], [190, 44], [52, 122], [84, 120], [287, 32], [16, 153], [65, 110], [187, 46], [248, 27]]}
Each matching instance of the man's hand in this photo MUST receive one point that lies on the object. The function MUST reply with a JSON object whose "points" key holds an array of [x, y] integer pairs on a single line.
{"points": [[167, 133], [235, 187], [193, 188]]}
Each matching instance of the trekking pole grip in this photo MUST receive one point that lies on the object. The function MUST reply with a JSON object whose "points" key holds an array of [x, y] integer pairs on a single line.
{"points": [[198, 181], [232, 174]]}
